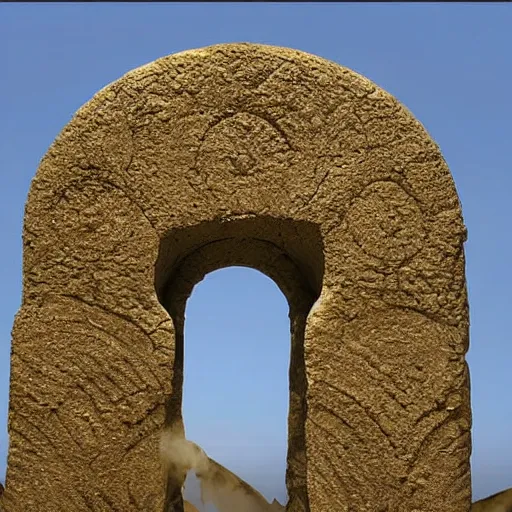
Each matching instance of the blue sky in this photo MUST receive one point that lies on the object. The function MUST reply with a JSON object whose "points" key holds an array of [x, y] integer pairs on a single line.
{"points": [[448, 63]]}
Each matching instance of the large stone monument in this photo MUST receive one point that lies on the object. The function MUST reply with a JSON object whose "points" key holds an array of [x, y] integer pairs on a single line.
{"points": [[243, 154]]}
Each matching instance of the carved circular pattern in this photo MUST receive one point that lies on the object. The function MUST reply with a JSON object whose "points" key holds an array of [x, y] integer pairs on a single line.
{"points": [[386, 222], [243, 144]]}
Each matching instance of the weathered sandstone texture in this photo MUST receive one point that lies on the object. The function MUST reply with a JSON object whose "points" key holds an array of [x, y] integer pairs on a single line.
{"points": [[242, 154]]}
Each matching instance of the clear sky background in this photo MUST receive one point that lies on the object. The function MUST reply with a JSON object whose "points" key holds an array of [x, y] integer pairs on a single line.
{"points": [[448, 63]]}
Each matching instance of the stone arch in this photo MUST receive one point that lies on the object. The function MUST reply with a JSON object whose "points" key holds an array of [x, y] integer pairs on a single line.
{"points": [[267, 157]]}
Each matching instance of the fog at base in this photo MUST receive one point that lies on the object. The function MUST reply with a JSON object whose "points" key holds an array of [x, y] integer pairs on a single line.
{"points": [[192, 493]]}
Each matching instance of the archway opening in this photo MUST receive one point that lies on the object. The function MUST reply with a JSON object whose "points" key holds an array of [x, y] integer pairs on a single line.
{"points": [[291, 254], [236, 384]]}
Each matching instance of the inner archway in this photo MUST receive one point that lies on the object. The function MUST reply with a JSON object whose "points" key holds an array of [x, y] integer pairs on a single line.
{"points": [[287, 252], [236, 385]]}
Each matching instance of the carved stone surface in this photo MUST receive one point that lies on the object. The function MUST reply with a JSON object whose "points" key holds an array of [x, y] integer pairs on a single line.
{"points": [[274, 159]]}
